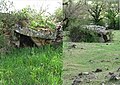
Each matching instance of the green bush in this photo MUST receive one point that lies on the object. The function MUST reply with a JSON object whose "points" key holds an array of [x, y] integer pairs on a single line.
{"points": [[117, 25], [5, 48], [80, 34], [41, 22], [113, 19], [2, 41]]}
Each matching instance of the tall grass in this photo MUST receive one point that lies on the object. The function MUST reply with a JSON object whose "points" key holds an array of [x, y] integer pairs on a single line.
{"points": [[32, 66]]}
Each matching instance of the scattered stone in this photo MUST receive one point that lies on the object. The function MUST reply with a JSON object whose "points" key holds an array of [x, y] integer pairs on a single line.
{"points": [[114, 77], [107, 44], [102, 83], [118, 69], [116, 58], [72, 46], [80, 74], [84, 77], [105, 61], [85, 73], [81, 48], [77, 81], [106, 68], [91, 61], [98, 70], [111, 73], [102, 60]]}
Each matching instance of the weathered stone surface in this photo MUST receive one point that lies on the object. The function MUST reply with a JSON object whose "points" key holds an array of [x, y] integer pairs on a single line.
{"points": [[98, 70], [39, 36], [95, 27], [42, 33]]}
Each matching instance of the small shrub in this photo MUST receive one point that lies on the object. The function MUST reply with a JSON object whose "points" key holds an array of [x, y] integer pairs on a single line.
{"points": [[113, 19], [117, 25], [5, 46], [2, 41]]}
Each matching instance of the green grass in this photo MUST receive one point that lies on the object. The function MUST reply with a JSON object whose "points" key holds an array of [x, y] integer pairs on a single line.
{"points": [[32, 66], [76, 60]]}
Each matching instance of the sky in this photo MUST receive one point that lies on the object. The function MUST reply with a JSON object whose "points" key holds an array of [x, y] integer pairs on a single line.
{"points": [[51, 5]]}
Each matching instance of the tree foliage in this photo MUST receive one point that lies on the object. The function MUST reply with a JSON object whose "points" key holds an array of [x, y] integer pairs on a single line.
{"points": [[74, 10], [58, 14], [112, 16], [95, 11]]}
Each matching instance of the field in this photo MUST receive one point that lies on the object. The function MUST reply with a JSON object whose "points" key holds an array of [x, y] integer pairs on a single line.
{"points": [[87, 57], [32, 66], [43, 66]]}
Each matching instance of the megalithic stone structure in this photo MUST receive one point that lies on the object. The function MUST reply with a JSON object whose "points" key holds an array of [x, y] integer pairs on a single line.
{"points": [[39, 37]]}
